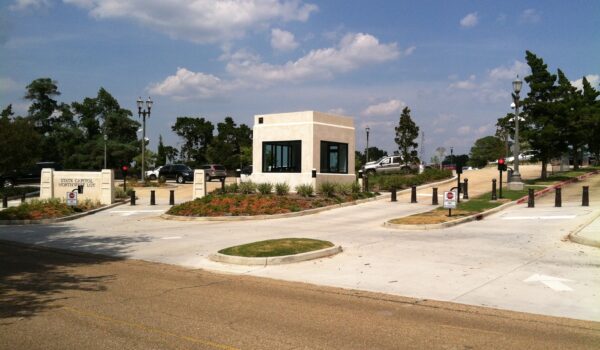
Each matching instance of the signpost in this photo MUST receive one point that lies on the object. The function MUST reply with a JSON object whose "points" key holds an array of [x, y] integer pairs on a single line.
{"points": [[450, 201], [72, 199]]}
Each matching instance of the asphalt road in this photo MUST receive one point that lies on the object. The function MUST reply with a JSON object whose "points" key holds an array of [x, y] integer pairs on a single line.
{"points": [[56, 300]]}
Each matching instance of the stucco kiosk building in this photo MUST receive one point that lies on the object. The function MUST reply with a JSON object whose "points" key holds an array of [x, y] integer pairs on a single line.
{"points": [[288, 146]]}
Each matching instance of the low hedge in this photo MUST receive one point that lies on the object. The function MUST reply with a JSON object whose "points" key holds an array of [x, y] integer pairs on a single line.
{"points": [[399, 181], [46, 209]]}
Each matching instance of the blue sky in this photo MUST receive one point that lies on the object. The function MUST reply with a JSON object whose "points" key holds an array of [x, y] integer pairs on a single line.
{"points": [[450, 62]]}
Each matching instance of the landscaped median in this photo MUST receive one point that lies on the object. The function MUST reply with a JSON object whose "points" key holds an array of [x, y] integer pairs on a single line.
{"points": [[276, 251]]}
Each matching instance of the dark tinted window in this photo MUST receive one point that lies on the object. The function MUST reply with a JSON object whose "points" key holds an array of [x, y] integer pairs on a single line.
{"points": [[282, 156], [334, 157], [219, 167]]}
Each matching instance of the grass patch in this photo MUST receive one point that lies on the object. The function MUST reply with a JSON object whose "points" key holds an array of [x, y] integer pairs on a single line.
{"points": [[237, 204], [17, 191], [277, 247], [46, 209], [561, 176]]}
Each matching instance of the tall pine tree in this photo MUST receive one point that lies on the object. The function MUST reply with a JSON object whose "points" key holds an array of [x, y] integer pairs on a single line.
{"points": [[406, 134]]}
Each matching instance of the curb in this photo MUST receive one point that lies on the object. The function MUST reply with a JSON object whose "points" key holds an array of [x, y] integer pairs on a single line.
{"points": [[66, 218], [574, 237], [275, 260], [292, 214]]}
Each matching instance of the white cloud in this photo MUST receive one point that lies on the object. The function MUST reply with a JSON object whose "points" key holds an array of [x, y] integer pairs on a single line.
{"points": [[468, 84], [201, 21], [530, 16], [469, 20], [353, 51], [19, 5], [385, 108], [593, 79], [509, 73], [187, 84], [282, 40], [463, 130], [8, 85], [339, 111]]}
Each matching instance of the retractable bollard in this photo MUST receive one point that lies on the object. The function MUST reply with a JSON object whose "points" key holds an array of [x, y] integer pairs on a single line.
{"points": [[558, 197], [152, 198], [361, 180], [366, 183], [585, 197], [172, 197], [531, 199], [5, 201], [434, 197], [413, 194], [466, 189], [393, 192], [132, 200], [222, 185], [23, 197], [494, 195]]}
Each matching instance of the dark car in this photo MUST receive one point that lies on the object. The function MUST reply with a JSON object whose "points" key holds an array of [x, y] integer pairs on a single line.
{"points": [[26, 176], [214, 171], [178, 172]]}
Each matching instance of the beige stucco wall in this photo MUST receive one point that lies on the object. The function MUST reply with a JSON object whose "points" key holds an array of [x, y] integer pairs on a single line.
{"points": [[98, 185], [310, 128]]}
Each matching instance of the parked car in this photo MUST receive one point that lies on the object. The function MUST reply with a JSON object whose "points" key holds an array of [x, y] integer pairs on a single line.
{"points": [[178, 172], [26, 176], [153, 174], [247, 170], [214, 171], [526, 156], [388, 164]]}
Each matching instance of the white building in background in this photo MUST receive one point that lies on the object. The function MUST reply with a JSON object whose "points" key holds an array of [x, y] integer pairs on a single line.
{"points": [[288, 146]]}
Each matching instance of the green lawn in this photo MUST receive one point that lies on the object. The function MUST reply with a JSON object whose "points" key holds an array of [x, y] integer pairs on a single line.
{"points": [[561, 176], [277, 247]]}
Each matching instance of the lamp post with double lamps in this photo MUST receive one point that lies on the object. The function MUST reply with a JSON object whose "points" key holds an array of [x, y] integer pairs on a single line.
{"points": [[515, 180], [367, 129], [105, 139], [142, 113]]}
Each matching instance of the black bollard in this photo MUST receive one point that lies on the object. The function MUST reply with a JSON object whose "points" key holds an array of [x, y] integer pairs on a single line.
{"points": [[393, 192], [531, 199], [434, 197], [458, 190], [366, 183], [172, 197], [152, 198], [23, 198], [558, 197], [466, 189], [494, 195], [5, 201], [222, 185], [132, 200], [585, 198], [413, 194]]}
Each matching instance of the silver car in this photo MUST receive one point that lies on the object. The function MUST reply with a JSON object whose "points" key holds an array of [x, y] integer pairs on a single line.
{"points": [[388, 164]]}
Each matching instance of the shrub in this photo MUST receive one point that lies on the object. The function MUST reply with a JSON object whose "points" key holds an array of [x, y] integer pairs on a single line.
{"points": [[305, 190], [282, 188], [393, 181], [232, 188], [162, 179], [327, 189], [343, 189], [119, 193], [265, 188], [247, 187], [355, 187]]}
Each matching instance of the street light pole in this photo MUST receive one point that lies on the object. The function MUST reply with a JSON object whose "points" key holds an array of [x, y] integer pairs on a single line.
{"points": [[515, 179], [367, 129], [105, 139], [142, 114]]}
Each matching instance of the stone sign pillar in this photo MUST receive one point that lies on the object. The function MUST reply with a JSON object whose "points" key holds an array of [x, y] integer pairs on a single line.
{"points": [[199, 187], [107, 193], [47, 183], [96, 185]]}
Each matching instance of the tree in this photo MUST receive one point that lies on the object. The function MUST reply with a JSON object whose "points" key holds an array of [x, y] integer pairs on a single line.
{"points": [[41, 111], [438, 156], [570, 108], [19, 142], [161, 155], [486, 149], [226, 147], [591, 111], [542, 127], [406, 134], [171, 154], [197, 134]]}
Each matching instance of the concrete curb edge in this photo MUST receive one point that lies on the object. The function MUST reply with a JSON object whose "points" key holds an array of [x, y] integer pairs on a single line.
{"points": [[574, 235], [276, 260]]}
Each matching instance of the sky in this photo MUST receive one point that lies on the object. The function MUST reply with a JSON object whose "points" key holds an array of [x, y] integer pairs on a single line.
{"points": [[450, 62]]}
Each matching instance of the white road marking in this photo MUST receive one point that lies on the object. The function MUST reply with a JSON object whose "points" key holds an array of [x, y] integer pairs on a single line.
{"points": [[172, 237], [539, 217], [554, 283], [133, 212]]}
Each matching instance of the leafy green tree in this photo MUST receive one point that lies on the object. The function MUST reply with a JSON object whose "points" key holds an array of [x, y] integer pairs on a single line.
{"points": [[197, 134], [171, 154], [486, 149], [161, 155], [41, 93], [543, 126], [226, 148], [20, 143], [570, 108], [591, 111], [406, 134]]}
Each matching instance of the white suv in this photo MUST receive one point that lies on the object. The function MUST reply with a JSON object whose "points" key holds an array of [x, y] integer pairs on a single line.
{"points": [[388, 164]]}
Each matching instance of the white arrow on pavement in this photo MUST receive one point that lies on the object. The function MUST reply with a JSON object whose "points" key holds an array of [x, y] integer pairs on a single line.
{"points": [[133, 212], [554, 283]]}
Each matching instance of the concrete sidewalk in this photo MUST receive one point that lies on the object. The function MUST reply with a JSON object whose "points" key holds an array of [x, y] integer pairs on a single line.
{"points": [[589, 234]]}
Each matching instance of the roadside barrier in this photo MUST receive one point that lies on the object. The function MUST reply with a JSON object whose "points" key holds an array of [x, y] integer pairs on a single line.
{"points": [[466, 189], [434, 196], [494, 195], [585, 196], [152, 197], [531, 198], [23, 196], [132, 200], [413, 194], [393, 195], [172, 197], [5, 201], [558, 197]]}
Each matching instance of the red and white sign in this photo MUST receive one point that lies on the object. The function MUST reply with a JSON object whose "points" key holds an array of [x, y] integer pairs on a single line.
{"points": [[72, 198], [450, 199]]}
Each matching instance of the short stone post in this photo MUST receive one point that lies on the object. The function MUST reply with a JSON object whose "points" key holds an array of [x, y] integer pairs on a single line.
{"points": [[413, 194], [558, 197], [132, 200], [466, 189], [172, 197], [531, 199], [360, 180], [585, 198], [494, 195], [434, 196], [152, 198]]}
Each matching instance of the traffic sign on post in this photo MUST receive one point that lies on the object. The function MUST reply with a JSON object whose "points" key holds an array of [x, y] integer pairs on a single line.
{"points": [[450, 201], [72, 198]]}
